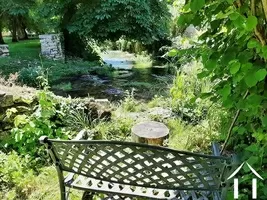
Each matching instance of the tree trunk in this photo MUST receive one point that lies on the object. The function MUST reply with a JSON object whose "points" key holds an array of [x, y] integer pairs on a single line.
{"points": [[22, 34], [74, 44], [14, 30], [1, 29], [26, 37], [22, 31], [150, 132], [1, 36]]}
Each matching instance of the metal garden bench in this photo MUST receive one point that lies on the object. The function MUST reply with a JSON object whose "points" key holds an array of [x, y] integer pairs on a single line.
{"points": [[124, 169]]}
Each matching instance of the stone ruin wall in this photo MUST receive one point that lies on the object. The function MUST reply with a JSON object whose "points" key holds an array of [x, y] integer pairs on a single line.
{"points": [[12, 105], [4, 50], [52, 46]]}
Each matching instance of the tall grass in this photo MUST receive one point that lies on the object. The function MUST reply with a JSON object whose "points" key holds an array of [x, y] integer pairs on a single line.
{"points": [[143, 61]]}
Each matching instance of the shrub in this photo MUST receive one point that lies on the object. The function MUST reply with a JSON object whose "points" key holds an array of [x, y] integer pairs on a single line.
{"points": [[15, 173], [143, 61], [186, 90], [29, 75], [117, 129], [190, 137], [46, 120], [63, 86], [19, 182], [129, 103], [200, 121], [159, 101]]}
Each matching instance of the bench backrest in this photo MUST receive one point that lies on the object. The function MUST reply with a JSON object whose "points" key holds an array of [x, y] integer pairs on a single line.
{"points": [[139, 164]]}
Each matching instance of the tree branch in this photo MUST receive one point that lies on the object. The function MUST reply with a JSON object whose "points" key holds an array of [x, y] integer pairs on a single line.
{"points": [[229, 134], [264, 5], [253, 12], [253, 7], [238, 2], [260, 36]]}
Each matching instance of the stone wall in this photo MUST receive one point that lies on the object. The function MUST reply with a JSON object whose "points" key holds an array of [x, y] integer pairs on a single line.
{"points": [[12, 105], [4, 51], [52, 46]]}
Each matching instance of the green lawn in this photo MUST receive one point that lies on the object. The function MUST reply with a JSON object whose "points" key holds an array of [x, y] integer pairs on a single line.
{"points": [[26, 49], [25, 59]]}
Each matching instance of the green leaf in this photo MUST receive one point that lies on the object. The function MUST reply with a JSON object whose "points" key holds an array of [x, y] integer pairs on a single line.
{"points": [[245, 56], [230, 1], [18, 136], [181, 20], [241, 130], [253, 43], [264, 51], [203, 74], [238, 77], [222, 15], [250, 80], [196, 5], [225, 91], [260, 74], [259, 136], [252, 148], [173, 53], [240, 22], [210, 64], [264, 121], [228, 56], [234, 16], [20, 119], [205, 95], [234, 67], [254, 100], [253, 160], [251, 23], [245, 67], [230, 195]]}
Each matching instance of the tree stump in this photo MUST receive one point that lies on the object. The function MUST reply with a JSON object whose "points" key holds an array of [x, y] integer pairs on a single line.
{"points": [[150, 132]]}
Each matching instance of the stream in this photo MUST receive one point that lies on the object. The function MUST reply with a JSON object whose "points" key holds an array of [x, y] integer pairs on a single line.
{"points": [[125, 77]]}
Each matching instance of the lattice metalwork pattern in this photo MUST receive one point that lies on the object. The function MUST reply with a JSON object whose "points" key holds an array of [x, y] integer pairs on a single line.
{"points": [[140, 165]]}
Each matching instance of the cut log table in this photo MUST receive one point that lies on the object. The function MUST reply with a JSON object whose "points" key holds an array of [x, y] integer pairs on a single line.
{"points": [[150, 132]]}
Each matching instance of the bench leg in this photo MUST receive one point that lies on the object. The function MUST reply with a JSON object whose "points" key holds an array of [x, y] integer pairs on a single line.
{"points": [[63, 193]]}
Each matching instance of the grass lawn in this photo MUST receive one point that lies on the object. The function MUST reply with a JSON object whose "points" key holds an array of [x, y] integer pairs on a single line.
{"points": [[25, 60], [26, 49]]}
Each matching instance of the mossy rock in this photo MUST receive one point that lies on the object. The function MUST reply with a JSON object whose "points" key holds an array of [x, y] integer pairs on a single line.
{"points": [[19, 99], [6, 101]]}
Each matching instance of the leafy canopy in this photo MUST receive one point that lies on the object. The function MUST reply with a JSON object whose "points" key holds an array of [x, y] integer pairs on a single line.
{"points": [[145, 21]]}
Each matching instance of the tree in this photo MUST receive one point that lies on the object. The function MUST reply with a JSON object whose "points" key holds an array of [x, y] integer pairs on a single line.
{"points": [[16, 12], [144, 21], [1, 29], [234, 53]]}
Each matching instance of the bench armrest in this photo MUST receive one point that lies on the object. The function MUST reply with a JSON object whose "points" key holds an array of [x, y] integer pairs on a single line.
{"points": [[43, 139]]}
